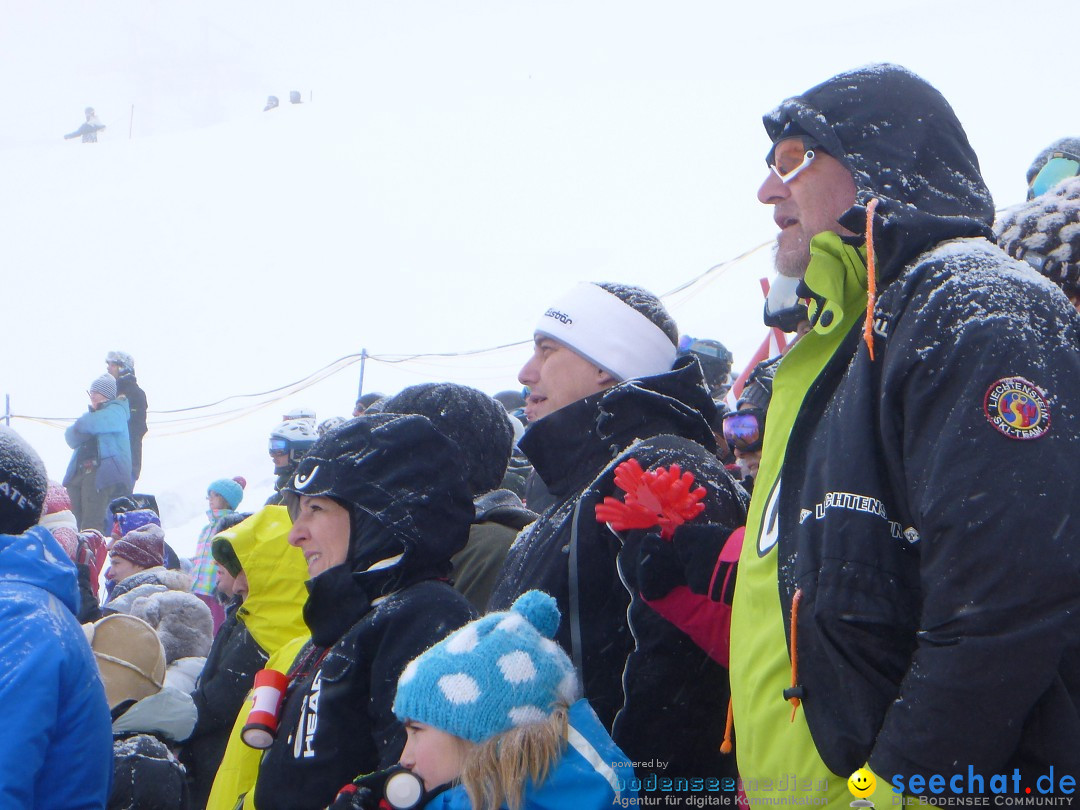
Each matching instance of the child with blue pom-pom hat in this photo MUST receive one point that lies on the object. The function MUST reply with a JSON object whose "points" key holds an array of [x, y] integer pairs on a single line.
{"points": [[501, 683]]}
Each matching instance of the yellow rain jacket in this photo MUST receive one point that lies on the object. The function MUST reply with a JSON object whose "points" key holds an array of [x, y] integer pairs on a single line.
{"points": [[273, 614]]}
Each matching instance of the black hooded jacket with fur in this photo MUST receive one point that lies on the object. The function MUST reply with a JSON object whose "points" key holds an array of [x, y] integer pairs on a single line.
{"points": [[936, 553], [410, 506]]}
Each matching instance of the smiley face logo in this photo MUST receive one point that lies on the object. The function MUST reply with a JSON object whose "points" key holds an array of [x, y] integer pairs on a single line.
{"points": [[862, 784]]}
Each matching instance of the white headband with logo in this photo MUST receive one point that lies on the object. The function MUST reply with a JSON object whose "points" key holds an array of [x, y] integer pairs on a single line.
{"points": [[608, 333]]}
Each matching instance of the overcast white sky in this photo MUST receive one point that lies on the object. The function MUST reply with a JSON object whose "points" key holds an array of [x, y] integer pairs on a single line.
{"points": [[453, 167]]}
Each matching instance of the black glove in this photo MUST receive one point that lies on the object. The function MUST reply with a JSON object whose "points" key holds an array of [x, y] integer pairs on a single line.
{"points": [[660, 571], [690, 558], [352, 797]]}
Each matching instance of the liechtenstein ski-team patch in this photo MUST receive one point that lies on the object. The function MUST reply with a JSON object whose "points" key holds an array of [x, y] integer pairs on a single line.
{"points": [[1017, 408]]}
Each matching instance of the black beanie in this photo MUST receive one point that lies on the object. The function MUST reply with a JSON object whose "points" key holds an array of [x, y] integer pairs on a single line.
{"points": [[475, 422], [758, 389], [23, 483]]}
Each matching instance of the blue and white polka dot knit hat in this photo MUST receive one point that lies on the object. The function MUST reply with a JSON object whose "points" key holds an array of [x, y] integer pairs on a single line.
{"points": [[496, 673]]}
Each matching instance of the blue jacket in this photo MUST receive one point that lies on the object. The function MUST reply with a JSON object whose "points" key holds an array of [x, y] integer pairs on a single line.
{"points": [[593, 774], [109, 427], [56, 749]]}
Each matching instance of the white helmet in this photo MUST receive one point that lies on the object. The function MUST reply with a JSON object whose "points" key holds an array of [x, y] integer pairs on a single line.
{"points": [[293, 436], [300, 413]]}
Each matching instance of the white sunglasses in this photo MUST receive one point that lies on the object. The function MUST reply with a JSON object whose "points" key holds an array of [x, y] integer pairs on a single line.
{"points": [[807, 159]]}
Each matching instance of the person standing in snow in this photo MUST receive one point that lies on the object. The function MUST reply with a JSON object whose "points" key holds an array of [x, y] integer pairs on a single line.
{"points": [[121, 366], [223, 496], [100, 467], [379, 507], [56, 750], [909, 587], [605, 385], [267, 578], [89, 130], [149, 716]]}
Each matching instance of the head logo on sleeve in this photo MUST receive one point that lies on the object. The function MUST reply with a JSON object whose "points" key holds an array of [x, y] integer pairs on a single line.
{"points": [[1017, 408]]}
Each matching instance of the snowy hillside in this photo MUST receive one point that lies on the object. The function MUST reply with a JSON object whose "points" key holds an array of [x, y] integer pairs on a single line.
{"points": [[453, 167]]}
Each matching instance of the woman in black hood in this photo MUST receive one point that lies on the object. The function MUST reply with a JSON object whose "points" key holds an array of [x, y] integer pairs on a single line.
{"points": [[379, 507]]}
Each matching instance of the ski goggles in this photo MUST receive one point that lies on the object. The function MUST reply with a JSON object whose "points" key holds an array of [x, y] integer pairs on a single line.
{"points": [[689, 344], [1061, 166], [745, 430], [279, 447]]}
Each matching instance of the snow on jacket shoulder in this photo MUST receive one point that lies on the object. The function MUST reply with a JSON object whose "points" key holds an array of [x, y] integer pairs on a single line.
{"points": [[61, 756], [969, 504]]}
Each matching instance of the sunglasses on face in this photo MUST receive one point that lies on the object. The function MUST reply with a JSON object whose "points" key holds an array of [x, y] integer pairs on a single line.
{"points": [[1060, 167], [279, 447], [787, 176], [745, 430]]}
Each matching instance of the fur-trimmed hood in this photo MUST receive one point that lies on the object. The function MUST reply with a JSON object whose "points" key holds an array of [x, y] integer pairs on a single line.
{"points": [[181, 620]]}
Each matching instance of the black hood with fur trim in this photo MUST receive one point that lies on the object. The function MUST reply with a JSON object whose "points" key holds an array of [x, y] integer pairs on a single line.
{"points": [[903, 145]]}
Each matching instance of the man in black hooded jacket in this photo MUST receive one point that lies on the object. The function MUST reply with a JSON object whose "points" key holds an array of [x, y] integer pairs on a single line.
{"points": [[912, 589], [379, 507], [605, 386]]}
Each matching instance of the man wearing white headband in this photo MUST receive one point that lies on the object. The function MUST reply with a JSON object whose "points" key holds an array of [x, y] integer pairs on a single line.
{"points": [[605, 384], [592, 338]]}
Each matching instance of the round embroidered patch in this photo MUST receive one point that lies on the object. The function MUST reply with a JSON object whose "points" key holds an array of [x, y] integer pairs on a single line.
{"points": [[1017, 408]]}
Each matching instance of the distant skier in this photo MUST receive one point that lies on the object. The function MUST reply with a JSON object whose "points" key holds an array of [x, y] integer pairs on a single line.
{"points": [[89, 130]]}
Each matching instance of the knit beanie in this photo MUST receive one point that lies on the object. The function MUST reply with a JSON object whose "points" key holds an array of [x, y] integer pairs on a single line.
{"points": [[125, 522], [471, 419], [23, 483], [494, 674], [228, 489], [757, 392], [144, 547], [129, 657], [57, 517], [1045, 233], [104, 385]]}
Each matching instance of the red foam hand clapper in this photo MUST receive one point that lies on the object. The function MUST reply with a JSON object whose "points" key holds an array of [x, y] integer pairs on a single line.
{"points": [[664, 497]]}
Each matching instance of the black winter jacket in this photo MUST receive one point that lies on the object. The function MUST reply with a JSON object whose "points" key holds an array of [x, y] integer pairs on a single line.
{"points": [[128, 386], [368, 619], [928, 507], [663, 698], [224, 683]]}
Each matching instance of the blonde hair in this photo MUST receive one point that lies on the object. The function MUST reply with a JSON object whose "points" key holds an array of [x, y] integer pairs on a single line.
{"points": [[497, 770]]}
